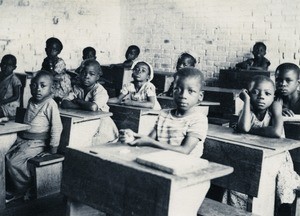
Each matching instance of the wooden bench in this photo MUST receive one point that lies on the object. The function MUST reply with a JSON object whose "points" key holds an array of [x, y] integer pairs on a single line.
{"points": [[211, 207], [162, 81]]}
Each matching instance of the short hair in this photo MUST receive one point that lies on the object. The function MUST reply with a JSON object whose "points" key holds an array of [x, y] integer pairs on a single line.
{"points": [[186, 55], [133, 47], [190, 72], [53, 40], [285, 67], [259, 79], [257, 44], [92, 62], [86, 50], [10, 57], [41, 73]]}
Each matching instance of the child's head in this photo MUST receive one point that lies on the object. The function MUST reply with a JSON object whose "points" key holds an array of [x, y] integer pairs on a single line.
{"points": [[41, 85], [8, 64], [261, 91], [89, 53], [259, 50], [90, 73], [185, 60], [287, 78], [142, 71], [53, 47], [187, 88], [132, 52]]}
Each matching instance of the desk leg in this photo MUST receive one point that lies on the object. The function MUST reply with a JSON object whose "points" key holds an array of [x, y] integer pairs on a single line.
{"points": [[186, 201], [264, 203], [78, 209], [6, 142]]}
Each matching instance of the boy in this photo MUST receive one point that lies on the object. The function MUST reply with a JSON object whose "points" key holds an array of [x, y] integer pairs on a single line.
{"points": [[287, 84], [10, 87], [182, 129], [259, 62]]}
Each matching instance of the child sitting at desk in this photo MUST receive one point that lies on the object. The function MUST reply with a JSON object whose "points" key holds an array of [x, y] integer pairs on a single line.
{"points": [[42, 115], [141, 91], [10, 87], [92, 96], [184, 60], [287, 86], [57, 66], [259, 62], [182, 129], [261, 115]]}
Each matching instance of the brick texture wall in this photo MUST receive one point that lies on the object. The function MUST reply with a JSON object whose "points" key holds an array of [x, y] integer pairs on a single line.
{"points": [[218, 33], [26, 25]]}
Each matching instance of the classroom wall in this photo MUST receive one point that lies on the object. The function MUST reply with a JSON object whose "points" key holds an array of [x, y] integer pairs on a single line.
{"points": [[219, 33], [26, 24]]}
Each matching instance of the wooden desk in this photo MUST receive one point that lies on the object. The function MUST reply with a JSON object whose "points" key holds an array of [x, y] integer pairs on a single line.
{"points": [[254, 159], [81, 129], [168, 102], [112, 182], [8, 135]]}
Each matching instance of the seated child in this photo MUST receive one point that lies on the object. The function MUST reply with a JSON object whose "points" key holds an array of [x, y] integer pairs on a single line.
{"points": [[287, 85], [57, 66], [259, 62], [261, 115], [184, 60], [10, 87], [182, 129], [42, 115], [92, 96], [131, 54], [141, 91]]}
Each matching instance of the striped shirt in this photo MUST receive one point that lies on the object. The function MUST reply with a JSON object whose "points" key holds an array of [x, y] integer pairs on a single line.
{"points": [[172, 130]]}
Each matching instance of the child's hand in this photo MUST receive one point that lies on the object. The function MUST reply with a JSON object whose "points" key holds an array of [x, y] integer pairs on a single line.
{"points": [[140, 141], [126, 102], [287, 112], [126, 136], [244, 95], [43, 154]]}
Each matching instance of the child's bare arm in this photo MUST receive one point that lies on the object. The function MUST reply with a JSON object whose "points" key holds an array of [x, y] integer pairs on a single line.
{"points": [[16, 95], [275, 130], [146, 104], [86, 105], [67, 104], [117, 99], [244, 122]]}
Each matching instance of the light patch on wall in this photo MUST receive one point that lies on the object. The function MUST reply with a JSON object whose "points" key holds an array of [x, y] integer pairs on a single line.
{"points": [[22, 3]]}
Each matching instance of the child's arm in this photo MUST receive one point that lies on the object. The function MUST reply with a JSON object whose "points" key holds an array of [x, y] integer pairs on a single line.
{"points": [[244, 122], [16, 95], [85, 105], [276, 128], [117, 99], [56, 128], [146, 104]]}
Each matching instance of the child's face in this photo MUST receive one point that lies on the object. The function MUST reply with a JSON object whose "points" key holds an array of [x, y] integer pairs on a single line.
{"points": [[89, 75], [41, 88], [187, 92], [89, 55], [186, 62], [52, 50], [7, 66], [262, 95], [259, 51], [287, 82], [131, 54], [141, 72]]}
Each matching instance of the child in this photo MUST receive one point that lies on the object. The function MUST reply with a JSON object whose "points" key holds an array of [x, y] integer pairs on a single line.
{"points": [[141, 91], [91, 96], [182, 129], [261, 115], [259, 62], [10, 87], [131, 54], [184, 60], [57, 67], [287, 84], [42, 115]]}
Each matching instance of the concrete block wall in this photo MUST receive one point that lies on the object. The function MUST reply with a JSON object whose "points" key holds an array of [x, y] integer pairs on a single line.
{"points": [[26, 25], [218, 33]]}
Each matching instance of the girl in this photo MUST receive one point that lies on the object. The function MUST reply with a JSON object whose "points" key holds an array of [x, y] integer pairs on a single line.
{"points": [[42, 115], [57, 66], [141, 91], [262, 115]]}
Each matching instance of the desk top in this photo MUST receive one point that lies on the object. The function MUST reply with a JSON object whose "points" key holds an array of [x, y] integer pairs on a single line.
{"points": [[12, 127], [270, 146], [219, 89], [142, 109], [202, 103], [126, 155], [83, 115]]}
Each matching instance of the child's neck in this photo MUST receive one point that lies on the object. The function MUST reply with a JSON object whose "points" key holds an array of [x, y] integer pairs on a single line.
{"points": [[181, 113], [138, 84], [260, 114], [291, 99], [86, 89]]}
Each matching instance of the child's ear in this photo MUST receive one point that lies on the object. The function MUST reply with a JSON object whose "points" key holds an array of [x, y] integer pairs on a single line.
{"points": [[201, 95]]}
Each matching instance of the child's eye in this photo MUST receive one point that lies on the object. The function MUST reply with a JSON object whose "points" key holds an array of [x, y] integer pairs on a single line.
{"points": [[43, 86], [255, 92], [191, 91]]}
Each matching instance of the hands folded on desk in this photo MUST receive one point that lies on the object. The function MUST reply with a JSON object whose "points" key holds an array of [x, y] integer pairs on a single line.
{"points": [[132, 138]]}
